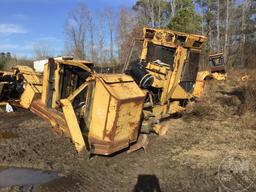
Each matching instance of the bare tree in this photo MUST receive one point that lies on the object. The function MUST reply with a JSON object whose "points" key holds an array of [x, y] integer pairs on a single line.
{"points": [[173, 7], [226, 46], [152, 12], [91, 28], [76, 31], [209, 19], [101, 51], [101, 42], [245, 6], [42, 50], [125, 27], [218, 25], [110, 23], [159, 13]]}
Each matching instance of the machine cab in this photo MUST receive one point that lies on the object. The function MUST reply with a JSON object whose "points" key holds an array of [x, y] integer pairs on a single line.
{"points": [[216, 63], [169, 61]]}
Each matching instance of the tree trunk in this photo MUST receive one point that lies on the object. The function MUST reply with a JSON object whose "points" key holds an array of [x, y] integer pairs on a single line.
{"points": [[202, 18], [226, 46], [111, 49], [173, 7], [152, 14], [101, 51], [218, 26], [209, 25], [90, 29], [242, 44], [110, 22], [159, 13]]}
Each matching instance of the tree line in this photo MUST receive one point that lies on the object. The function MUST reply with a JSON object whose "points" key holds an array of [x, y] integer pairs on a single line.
{"points": [[7, 61], [106, 38], [4, 59]]}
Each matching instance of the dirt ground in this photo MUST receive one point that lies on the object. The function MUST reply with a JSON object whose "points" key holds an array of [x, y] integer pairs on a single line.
{"points": [[222, 124]]}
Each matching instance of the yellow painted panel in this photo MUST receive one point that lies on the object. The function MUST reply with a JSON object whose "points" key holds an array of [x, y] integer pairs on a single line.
{"points": [[175, 107], [56, 93], [122, 90], [180, 93], [201, 75], [157, 68], [199, 87], [110, 78], [100, 105], [45, 84], [128, 121], [27, 97], [159, 110], [190, 38], [112, 112], [219, 76], [116, 111], [171, 84], [29, 74], [73, 126]]}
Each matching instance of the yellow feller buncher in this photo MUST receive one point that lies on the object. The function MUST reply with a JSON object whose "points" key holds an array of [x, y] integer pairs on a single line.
{"points": [[166, 72], [20, 86], [107, 113], [216, 71]]}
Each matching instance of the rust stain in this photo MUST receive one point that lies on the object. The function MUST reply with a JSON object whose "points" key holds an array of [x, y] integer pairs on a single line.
{"points": [[114, 128], [50, 116]]}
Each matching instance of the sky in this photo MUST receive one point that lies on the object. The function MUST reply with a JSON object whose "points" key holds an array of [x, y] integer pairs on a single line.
{"points": [[24, 23]]}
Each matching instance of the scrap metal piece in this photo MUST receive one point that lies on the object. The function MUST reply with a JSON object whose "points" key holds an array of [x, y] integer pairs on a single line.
{"points": [[142, 142], [161, 130]]}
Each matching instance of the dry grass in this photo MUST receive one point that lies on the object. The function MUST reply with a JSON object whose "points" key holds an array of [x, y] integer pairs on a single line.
{"points": [[249, 96], [225, 116], [234, 96]]}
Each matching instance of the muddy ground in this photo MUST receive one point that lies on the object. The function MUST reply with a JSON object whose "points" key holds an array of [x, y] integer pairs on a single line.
{"points": [[189, 158]]}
